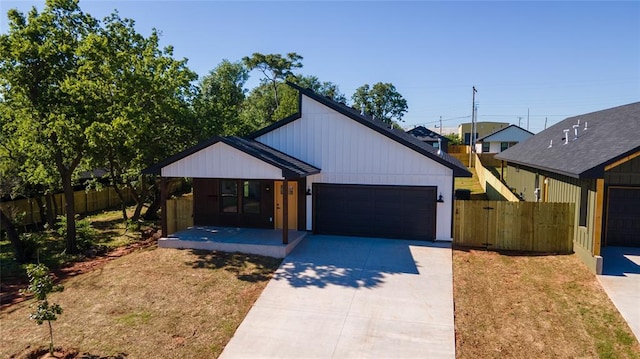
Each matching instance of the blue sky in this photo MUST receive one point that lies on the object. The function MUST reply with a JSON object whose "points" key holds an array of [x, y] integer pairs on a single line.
{"points": [[554, 59]]}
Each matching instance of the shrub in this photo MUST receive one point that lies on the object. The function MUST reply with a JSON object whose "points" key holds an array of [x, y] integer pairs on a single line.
{"points": [[85, 233]]}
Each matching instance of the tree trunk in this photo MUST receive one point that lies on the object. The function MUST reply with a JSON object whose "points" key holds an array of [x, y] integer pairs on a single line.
{"points": [[123, 202], [152, 211], [18, 246], [70, 213], [42, 209], [51, 209]]}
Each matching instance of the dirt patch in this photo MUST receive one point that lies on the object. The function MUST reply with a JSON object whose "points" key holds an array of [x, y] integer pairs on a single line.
{"points": [[60, 353], [515, 305], [10, 289]]}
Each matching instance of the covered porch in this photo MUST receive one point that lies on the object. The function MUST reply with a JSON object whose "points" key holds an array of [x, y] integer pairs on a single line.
{"points": [[238, 184], [264, 242]]}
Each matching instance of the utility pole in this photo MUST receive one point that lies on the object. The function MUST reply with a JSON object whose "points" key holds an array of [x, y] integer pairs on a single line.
{"points": [[545, 123], [519, 120], [472, 140], [527, 119], [440, 125]]}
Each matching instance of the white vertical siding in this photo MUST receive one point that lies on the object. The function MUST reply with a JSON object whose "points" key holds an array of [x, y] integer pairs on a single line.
{"points": [[221, 161], [348, 152]]}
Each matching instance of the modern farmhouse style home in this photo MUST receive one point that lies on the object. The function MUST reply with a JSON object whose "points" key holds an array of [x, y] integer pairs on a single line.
{"points": [[343, 173]]}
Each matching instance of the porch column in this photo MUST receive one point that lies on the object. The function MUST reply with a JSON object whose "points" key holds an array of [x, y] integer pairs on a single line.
{"points": [[285, 211], [163, 202]]}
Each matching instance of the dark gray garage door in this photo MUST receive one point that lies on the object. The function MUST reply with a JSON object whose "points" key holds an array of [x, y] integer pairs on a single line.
{"points": [[623, 217], [375, 211]]}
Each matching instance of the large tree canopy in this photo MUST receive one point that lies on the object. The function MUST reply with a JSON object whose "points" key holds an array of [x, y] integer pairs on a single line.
{"points": [[142, 98], [219, 102], [76, 91], [40, 67], [382, 101], [275, 69]]}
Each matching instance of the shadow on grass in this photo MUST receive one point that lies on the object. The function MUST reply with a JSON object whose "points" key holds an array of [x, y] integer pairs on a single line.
{"points": [[246, 267]]}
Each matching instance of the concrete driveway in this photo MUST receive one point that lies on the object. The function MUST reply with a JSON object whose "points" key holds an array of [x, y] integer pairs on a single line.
{"points": [[348, 297], [621, 280]]}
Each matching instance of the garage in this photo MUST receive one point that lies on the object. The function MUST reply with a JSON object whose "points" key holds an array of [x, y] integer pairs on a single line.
{"points": [[623, 217], [407, 212]]}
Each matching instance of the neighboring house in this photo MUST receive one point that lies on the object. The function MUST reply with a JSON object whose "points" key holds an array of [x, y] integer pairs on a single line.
{"points": [[427, 136], [482, 129], [345, 173], [592, 160], [502, 139]]}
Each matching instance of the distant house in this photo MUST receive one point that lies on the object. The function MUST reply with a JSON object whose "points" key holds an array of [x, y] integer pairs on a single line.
{"points": [[326, 169], [502, 139], [592, 160], [482, 129], [427, 136]]}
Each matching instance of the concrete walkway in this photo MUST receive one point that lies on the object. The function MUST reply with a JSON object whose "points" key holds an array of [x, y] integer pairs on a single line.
{"points": [[621, 280], [346, 297]]}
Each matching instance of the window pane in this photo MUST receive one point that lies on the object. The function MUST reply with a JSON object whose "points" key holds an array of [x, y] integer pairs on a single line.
{"points": [[229, 196], [485, 147], [251, 197], [503, 146]]}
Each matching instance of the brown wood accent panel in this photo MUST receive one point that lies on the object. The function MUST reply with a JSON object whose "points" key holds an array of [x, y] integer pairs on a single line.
{"points": [[623, 216], [292, 204], [407, 212], [597, 223], [206, 201], [621, 161]]}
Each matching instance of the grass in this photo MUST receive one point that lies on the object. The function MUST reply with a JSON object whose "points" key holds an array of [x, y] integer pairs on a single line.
{"points": [[154, 303], [111, 232], [472, 184], [519, 306]]}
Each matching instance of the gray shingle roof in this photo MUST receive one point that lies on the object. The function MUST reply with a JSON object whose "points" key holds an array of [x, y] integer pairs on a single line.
{"points": [[291, 167], [423, 133], [459, 170], [609, 135]]}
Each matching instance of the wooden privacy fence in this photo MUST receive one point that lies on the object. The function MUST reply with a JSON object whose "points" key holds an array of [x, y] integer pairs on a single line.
{"points": [[179, 213], [27, 211], [518, 226]]}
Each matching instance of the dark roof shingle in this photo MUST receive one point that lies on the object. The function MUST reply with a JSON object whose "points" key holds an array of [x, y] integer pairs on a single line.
{"points": [[291, 167], [603, 137]]}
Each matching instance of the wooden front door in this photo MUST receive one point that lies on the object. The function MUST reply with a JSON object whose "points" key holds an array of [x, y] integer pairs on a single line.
{"points": [[292, 204]]}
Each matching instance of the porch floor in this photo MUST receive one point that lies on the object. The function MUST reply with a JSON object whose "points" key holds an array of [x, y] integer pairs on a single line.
{"points": [[265, 242]]}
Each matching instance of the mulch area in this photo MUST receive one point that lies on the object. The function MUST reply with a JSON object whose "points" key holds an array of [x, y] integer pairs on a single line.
{"points": [[10, 289]]}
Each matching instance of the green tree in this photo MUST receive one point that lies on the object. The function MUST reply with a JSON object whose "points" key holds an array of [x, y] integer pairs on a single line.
{"points": [[219, 101], [276, 69], [454, 139], [40, 285], [382, 101], [141, 97], [39, 71], [257, 109]]}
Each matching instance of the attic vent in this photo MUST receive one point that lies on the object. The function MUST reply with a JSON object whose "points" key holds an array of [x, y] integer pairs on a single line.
{"points": [[550, 144], [575, 130], [439, 147], [566, 136], [585, 125]]}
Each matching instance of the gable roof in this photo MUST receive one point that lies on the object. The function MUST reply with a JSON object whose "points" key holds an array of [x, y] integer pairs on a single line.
{"points": [[500, 134], [422, 133], [459, 170], [291, 167], [603, 137]]}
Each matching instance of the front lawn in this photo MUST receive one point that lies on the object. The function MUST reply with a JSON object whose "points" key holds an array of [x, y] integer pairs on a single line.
{"points": [[521, 306], [152, 303]]}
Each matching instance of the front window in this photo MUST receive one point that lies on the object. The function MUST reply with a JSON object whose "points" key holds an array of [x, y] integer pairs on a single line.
{"points": [[504, 146], [229, 196], [485, 147], [251, 196]]}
